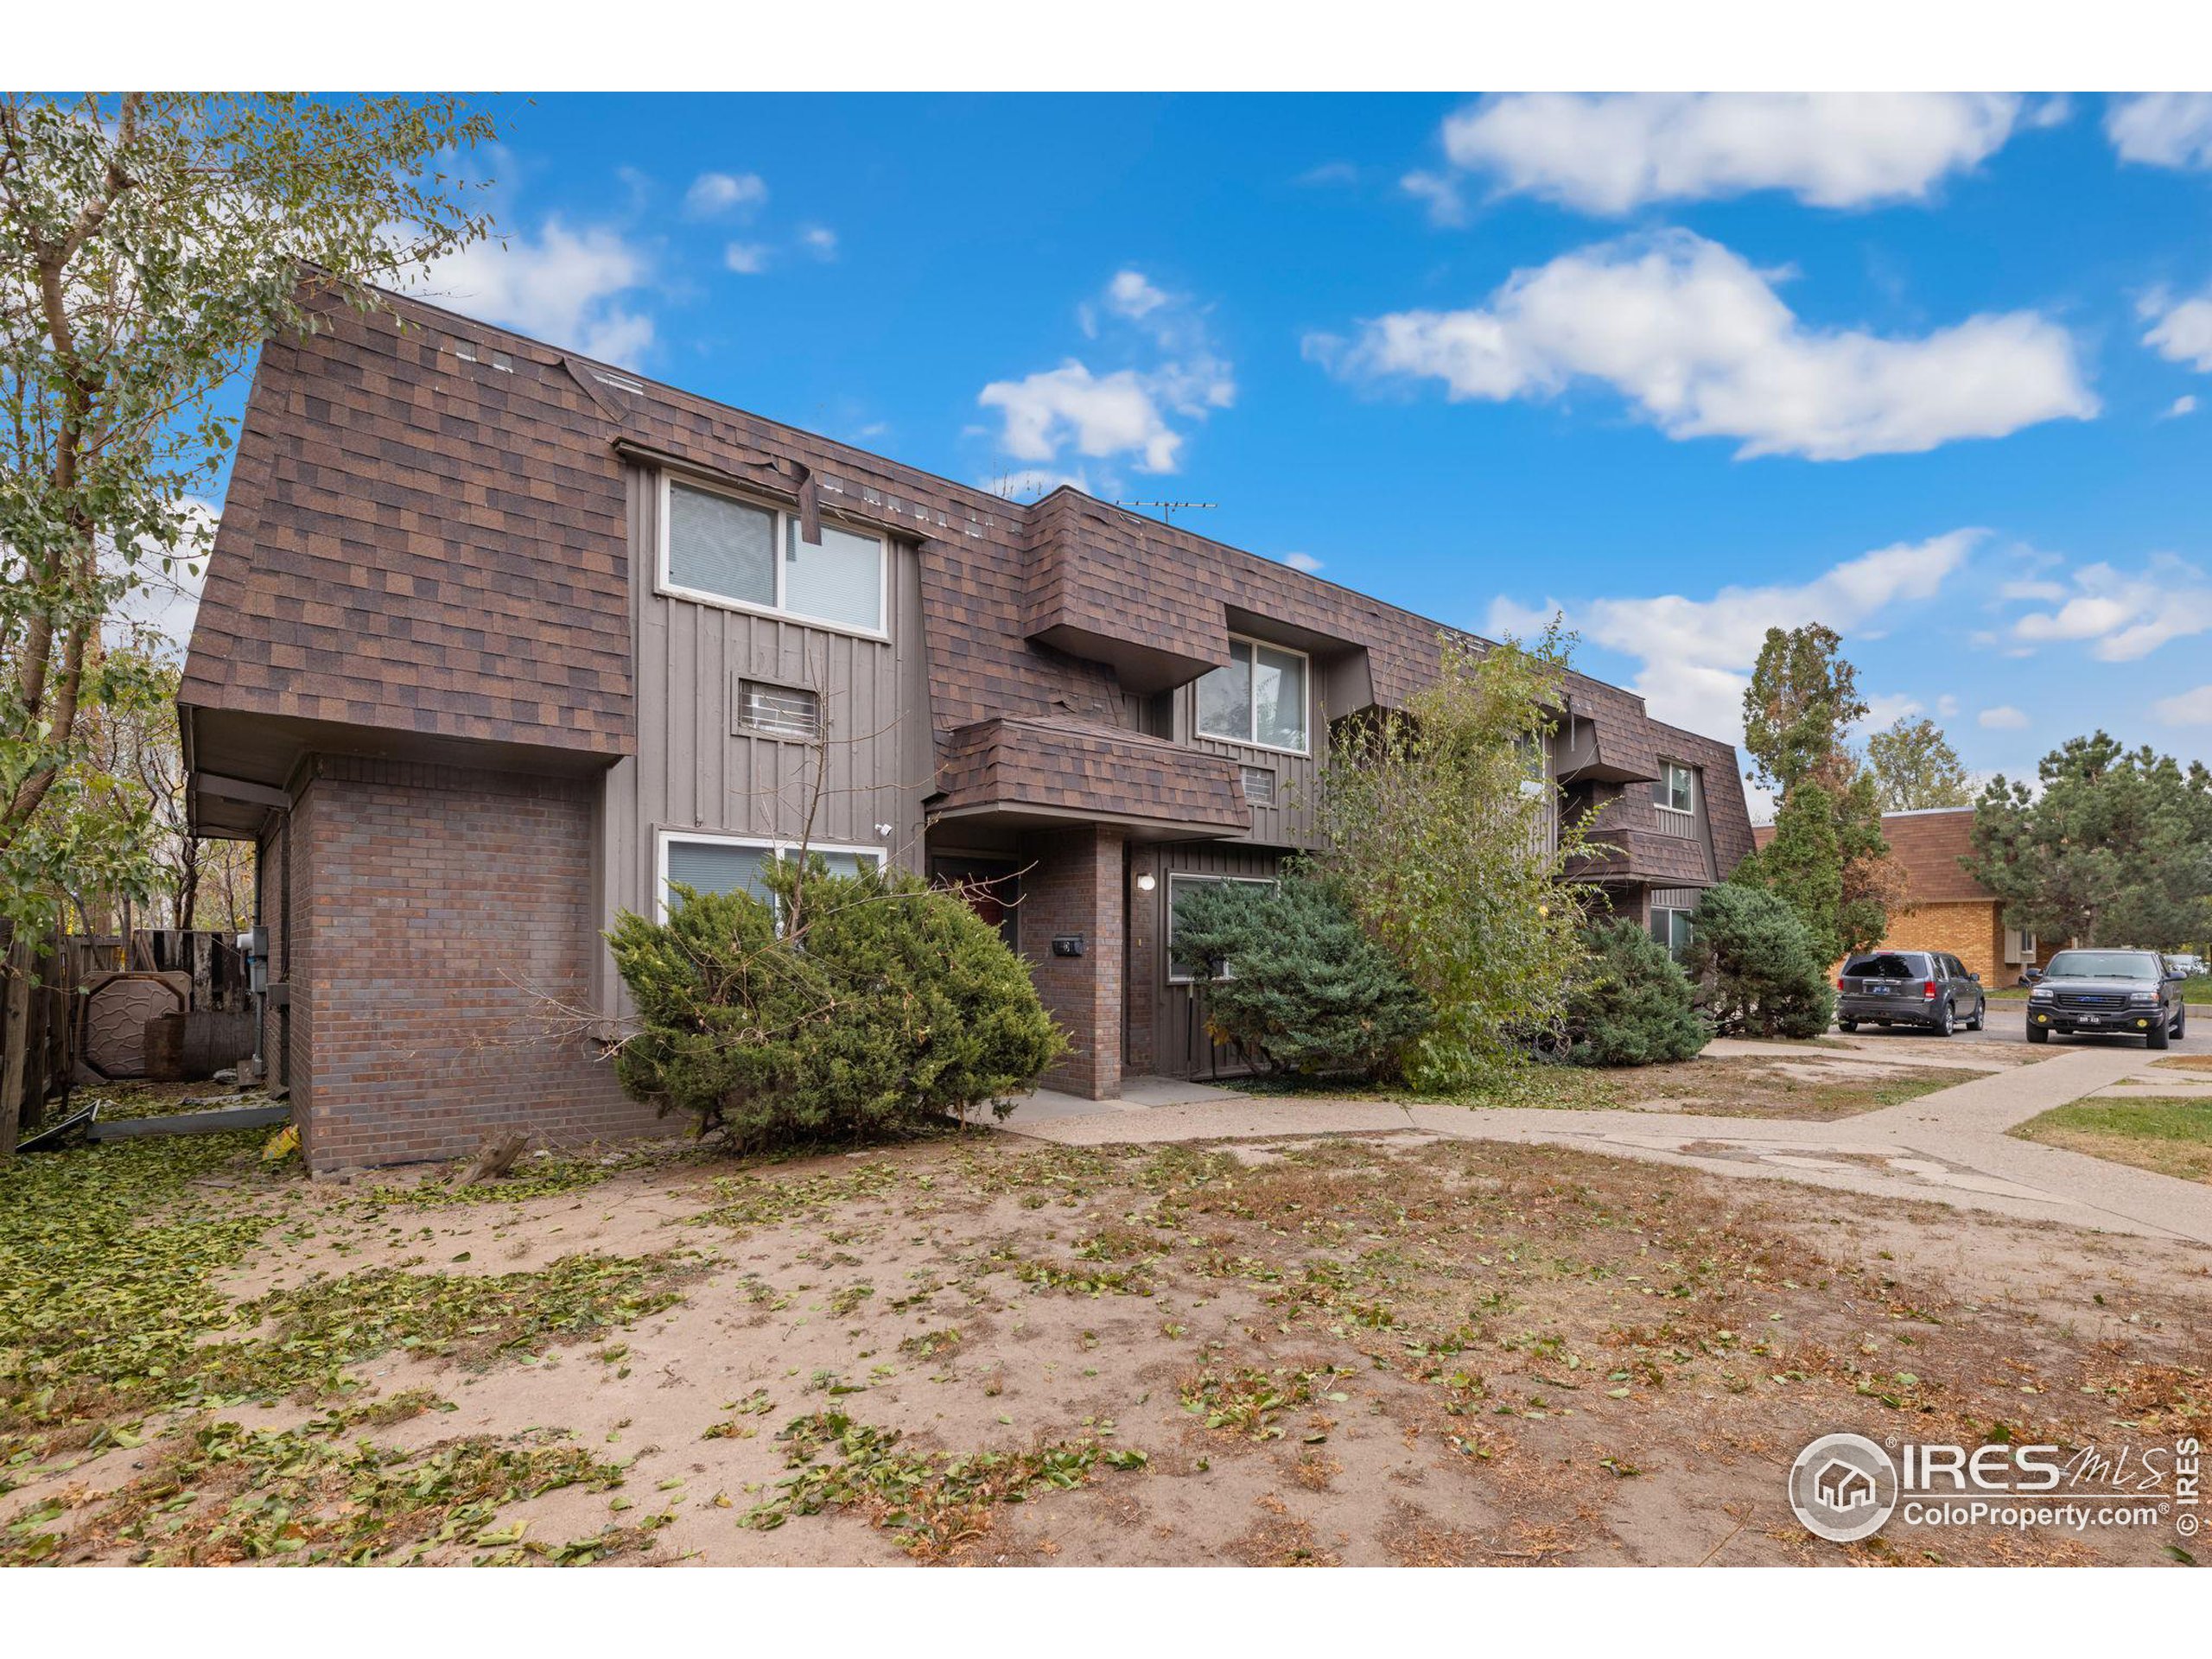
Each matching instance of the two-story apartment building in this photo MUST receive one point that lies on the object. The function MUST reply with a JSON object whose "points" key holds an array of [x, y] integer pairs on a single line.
{"points": [[497, 642]]}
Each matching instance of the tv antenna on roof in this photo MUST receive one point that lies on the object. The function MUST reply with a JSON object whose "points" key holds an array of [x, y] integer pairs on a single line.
{"points": [[1169, 509]]}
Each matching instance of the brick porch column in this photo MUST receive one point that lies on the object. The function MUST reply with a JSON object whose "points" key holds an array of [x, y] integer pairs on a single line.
{"points": [[1075, 889]]}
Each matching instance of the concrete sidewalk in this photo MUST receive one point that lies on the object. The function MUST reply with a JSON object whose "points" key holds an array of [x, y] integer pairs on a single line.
{"points": [[1950, 1147]]}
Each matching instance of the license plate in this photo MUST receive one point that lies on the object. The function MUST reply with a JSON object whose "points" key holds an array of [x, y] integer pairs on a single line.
{"points": [[1877, 990], [2091, 1019]]}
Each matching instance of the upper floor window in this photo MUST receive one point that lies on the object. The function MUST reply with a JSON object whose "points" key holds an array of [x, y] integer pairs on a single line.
{"points": [[1259, 697], [1673, 790], [724, 549]]}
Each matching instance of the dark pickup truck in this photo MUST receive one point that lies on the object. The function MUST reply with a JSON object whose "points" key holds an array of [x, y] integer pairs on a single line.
{"points": [[2109, 993], [1927, 988]]}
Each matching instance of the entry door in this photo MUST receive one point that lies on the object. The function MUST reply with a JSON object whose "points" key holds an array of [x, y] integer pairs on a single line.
{"points": [[992, 887]]}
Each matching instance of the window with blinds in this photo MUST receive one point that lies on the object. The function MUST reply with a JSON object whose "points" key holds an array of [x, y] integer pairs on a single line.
{"points": [[778, 710]]}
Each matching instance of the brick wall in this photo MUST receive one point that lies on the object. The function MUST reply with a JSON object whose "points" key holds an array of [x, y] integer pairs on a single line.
{"points": [[1971, 930], [1075, 886], [441, 918]]}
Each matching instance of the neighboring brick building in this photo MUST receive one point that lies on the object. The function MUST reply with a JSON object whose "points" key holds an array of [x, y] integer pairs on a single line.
{"points": [[1946, 909], [497, 642]]}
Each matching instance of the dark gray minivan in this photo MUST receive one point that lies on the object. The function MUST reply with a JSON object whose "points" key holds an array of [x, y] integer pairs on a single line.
{"points": [[1927, 989]]}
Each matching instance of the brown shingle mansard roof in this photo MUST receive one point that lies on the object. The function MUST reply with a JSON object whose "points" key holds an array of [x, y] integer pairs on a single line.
{"points": [[417, 542]]}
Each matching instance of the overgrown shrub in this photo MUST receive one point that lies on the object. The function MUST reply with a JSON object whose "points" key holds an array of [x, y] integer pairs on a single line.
{"points": [[1632, 1004], [1441, 832], [1307, 992], [881, 1006], [1756, 967]]}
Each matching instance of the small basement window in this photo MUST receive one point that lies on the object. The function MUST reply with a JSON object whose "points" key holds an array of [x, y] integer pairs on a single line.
{"points": [[778, 711]]}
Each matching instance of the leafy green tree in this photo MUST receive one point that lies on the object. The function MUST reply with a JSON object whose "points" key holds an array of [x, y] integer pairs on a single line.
{"points": [[149, 242], [1827, 857], [1915, 768], [1803, 698], [1631, 1004], [877, 1009], [1757, 968], [1440, 826], [2114, 847], [1303, 990]]}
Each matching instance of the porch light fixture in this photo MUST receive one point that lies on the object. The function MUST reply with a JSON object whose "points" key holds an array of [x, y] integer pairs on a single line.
{"points": [[1146, 883]]}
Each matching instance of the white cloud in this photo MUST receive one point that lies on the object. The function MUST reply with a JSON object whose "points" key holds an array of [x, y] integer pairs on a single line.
{"points": [[2181, 330], [746, 258], [1947, 705], [1885, 708], [1330, 173], [1100, 414], [2184, 404], [712, 195], [2004, 718], [1441, 192], [1701, 345], [2128, 616], [2189, 708], [1611, 153], [819, 240], [2032, 587], [2162, 129], [1305, 561], [565, 286], [1697, 654], [1123, 411], [1132, 295]]}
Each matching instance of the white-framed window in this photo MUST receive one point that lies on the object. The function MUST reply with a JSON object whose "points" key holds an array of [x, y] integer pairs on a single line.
{"points": [[1675, 796], [1260, 697], [708, 863], [725, 549], [1671, 927], [1179, 883]]}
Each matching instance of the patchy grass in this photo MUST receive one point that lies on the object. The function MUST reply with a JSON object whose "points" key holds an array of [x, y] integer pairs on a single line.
{"points": [[1785, 1086], [1363, 1349], [2186, 1061], [543, 1174], [2170, 1136], [306, 1497], [109, 1256], [318, 1331], [939, 1503]]}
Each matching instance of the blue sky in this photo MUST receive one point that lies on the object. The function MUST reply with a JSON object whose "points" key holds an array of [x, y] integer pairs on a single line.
{"points": [[1927, 369]]}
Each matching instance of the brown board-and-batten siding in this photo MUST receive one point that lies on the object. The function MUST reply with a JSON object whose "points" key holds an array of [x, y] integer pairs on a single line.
{"points": [[700, 769], [1165, 1029]]}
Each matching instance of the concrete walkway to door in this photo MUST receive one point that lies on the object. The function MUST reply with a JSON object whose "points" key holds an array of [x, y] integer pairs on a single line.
{"points": [[1949, 1147]]}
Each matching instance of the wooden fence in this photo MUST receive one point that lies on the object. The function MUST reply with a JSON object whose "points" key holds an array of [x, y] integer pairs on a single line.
{"points": [[42, 1024], [38, 1028]]}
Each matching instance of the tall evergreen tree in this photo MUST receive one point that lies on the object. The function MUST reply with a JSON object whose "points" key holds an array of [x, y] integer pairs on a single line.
{"points": [[2115, 847]]}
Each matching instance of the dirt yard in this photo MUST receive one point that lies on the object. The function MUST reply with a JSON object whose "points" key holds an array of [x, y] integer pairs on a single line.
{"points": [[1375, 1351]]}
